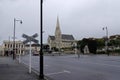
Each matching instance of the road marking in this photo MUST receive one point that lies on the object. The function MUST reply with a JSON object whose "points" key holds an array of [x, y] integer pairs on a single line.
{"points": [[64, 71], [67, 71]]}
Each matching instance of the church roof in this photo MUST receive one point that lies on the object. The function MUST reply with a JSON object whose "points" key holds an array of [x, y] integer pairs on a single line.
{"points": [[52, 37], [64, 37], [67, 37]]}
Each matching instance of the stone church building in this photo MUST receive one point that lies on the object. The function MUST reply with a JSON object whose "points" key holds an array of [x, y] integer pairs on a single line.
{"points": [[60, 40]]}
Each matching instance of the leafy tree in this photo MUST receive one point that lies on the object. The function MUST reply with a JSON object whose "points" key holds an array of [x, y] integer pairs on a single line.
{"points": [[81, 44], [100, 43], [55, 49], [92, 45], [115, 42]]}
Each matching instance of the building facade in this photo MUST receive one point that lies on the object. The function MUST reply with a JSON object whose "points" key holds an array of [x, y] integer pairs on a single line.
{"points": [[35, 48], [8, 47], [60, 40], [1, 50]]}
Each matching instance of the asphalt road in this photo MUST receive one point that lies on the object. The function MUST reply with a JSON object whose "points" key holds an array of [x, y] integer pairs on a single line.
{"points": [[87, 67]]}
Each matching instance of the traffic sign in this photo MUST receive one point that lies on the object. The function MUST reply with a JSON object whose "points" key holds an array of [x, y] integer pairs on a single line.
{"points": [[30, 38]]}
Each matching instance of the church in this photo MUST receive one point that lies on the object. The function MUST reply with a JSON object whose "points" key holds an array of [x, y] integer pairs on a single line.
{"points": [[60, 40]]}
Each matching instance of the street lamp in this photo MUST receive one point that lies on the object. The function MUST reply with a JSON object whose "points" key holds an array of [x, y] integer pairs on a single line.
{"points": [[41, 75], [15, 20], [106, 40]]}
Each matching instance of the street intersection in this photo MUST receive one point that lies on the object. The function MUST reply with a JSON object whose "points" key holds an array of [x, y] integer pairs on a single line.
{"points": [[70, 67]]}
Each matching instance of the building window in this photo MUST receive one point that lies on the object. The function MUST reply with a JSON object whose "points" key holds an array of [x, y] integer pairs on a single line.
{"points": [[19, 51], [8, 45], [16, 45], [11, 45], [5, 45], [22, 46]]}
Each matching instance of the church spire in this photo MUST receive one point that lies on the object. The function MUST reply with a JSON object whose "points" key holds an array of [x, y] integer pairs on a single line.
{"points": [[57, 31], [58, 24], [58, 34]]}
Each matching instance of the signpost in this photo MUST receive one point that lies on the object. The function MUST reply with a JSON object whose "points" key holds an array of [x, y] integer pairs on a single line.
{"points": [[41, 75], [30, 39]]}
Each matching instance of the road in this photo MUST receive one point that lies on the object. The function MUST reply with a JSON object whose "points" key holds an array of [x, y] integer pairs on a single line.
{"points": [[87, 67]]}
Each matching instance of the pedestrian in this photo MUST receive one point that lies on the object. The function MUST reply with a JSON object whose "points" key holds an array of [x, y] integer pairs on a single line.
{"points": [[78, 55]]}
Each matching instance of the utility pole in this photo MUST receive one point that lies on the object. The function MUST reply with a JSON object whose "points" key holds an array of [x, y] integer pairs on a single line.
{"points": [[41, 75], [106, 40], [14, 41], [14, 50]]}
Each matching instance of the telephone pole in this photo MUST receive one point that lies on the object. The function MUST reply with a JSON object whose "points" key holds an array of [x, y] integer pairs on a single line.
{"points": [[41, 75], [14, 50], [106, 40]]}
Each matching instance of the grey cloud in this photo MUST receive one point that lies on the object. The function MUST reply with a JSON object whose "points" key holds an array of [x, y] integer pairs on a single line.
{"points": [[82, 18]]}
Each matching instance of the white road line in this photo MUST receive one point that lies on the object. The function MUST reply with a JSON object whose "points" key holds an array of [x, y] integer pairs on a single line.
{"points": [[64, 71], [67, 71]]}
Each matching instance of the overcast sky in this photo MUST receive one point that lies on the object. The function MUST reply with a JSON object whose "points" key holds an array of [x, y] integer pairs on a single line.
{"points": [[81, 18]]}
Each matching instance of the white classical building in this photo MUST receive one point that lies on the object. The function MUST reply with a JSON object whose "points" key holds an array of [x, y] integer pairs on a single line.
{"points": [[35, 48], [1, 50], [8, 47], [60, 40]]}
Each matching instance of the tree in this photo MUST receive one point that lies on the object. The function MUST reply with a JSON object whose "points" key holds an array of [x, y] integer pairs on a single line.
{"points": [[115, 42], [100, 43], [81, 44], [92, 45]]}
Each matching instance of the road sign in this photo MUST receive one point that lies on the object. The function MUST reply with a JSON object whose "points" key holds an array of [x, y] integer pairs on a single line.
{"points": [[30, 38]]}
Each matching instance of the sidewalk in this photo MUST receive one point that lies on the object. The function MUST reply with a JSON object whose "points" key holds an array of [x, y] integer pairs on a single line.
{"points": [[11, 70]]}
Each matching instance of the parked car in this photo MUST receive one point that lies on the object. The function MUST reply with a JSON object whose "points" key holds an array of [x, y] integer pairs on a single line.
{"points": [[35, 53]]}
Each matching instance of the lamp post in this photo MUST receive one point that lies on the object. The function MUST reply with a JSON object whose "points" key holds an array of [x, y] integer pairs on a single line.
{"points": [[41, 75], [14, 54], [106, 40]]}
